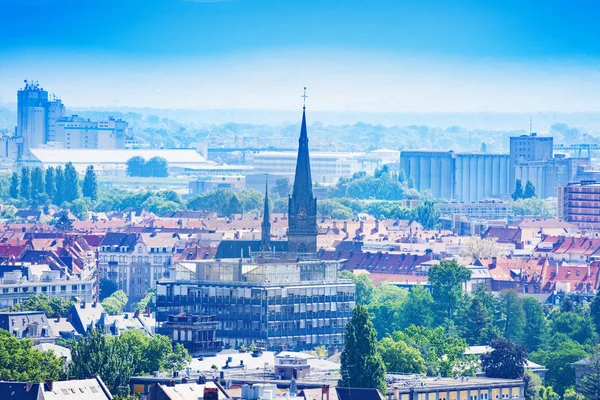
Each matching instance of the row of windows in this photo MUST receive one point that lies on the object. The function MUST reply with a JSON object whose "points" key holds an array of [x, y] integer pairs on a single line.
{"points": [[139, 259], [42, 289]]}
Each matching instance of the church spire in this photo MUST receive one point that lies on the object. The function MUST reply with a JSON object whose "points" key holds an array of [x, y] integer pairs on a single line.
{"points": [[266, 224], [302, 206]]}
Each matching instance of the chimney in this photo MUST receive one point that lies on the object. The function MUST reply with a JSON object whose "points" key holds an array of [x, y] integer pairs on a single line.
{"points": [[589, 270], [82, 305], [148, 313], [334, 226], [325, 392], [494, 262], [94, 304], [58, 318], [377, 225], [345, 226]]}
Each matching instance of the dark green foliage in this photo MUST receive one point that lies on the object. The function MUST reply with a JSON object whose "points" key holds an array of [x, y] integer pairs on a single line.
{"points": [[513, 324], [146, 302], [383, 186], [21, 362], [90, 183], [25, 186], [561, 373], [577, 326], [590, 383], [529, 191], [37, 182], [115, 303], [52, 306], [59, 194], [400, 357], [446, 280], [364, 287], [71, 183], [282, 187], [478, 323], [63, 223], [362, 366], [594, 311], [14, 186], [518, 193], [427, 215], [227, 202], [506, 360], [155, 167], [50, 183], [536, 328], [107, 288]]}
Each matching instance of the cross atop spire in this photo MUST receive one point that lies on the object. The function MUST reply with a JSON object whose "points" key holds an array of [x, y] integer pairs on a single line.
{"points": [[304, 96]]}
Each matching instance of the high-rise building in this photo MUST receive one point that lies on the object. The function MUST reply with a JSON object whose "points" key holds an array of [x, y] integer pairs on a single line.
{"points": [[302, 205], [75, 132], [579, 203], [32, 110]]}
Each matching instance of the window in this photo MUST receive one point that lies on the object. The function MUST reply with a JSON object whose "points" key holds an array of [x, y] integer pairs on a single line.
{"points": [[140, 250]]}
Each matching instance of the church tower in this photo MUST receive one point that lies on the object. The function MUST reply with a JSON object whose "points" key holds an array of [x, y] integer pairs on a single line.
{"points": [[265, 235], [302, 206]]}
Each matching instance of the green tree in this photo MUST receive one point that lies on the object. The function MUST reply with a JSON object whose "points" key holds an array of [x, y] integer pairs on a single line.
{"points": [[25, 183], [157, 167], [37, 182], [136, 166], [364, 287], [418, 308], [548, 393], [536, 328], [532, 384], [115, 303], [427, 215], [282, 187], [59, 195], [234, 206], [561, 373], [400, 357], [63, 223], [446, 280], [80, 209], [21, 362], [594, 308], [50, 183], [590, 383], [506, 360], [51, 306], [362, 366], [14, 186], [529, 191], [513, 323], [478, 323], [107, 288], [571, 394], [518, 193], [533, 207], [71, 183], [577, 326], [90, 183]]}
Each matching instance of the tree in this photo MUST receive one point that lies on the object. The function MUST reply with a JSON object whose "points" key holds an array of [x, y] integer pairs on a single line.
{"points": [[234, 206], [427, 215], [79, 208], [506, 360], [135, 166], [533, 207], [532, 384], [446, 280], [115, 303], [63, 223], [90, 183], [157, 166], [25, 183], [590, 383], [59, 196], [21, 362], [107, 287], [577, 326], [561, 373], [477, 248], [364, 287], [52, 306], [362, 366], [571, 394], [594, 309], [518, 193], [400, 357], [418, 308], [535, 330], [37, 182], [478, 324], [71, 183], [514, 316], [50, 184], [14, 186], [529, 191]]}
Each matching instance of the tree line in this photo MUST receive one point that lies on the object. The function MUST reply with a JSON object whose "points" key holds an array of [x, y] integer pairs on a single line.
{"points": [[427, 330], [154, 167]]}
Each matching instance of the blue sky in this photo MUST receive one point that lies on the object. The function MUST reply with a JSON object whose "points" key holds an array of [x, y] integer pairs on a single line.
{"points": [[353, 55]]}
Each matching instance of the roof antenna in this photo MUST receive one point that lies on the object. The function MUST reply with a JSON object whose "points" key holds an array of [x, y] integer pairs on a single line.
{"points": [[530, 126], [304, 96]]}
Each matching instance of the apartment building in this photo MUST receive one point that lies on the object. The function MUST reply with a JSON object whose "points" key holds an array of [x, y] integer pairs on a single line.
{"points": [[579, 203]]}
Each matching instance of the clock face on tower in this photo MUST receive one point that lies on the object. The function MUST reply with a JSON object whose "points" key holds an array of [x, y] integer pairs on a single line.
{"points": [[302, 214]]}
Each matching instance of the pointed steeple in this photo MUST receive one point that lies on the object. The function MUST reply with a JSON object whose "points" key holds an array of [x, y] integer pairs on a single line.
{"points": [[266, 223], [303, 178]]}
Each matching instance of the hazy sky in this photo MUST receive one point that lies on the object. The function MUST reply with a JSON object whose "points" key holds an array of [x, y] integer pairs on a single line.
{"points": [[368, 55]]}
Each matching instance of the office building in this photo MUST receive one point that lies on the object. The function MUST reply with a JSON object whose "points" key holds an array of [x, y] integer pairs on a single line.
{"points": [[527, 148], [271, 302], [468, 177], [198, 333], [415, 387], [482, 210], [579, 203], [75, 132]]}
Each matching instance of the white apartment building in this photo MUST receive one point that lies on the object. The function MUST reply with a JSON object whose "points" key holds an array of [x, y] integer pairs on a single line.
{"points": [[21, 280], [75, 132]]}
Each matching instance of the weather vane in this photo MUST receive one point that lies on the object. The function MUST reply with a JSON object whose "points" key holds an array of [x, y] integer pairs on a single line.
{"points": [[304, 96]]}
